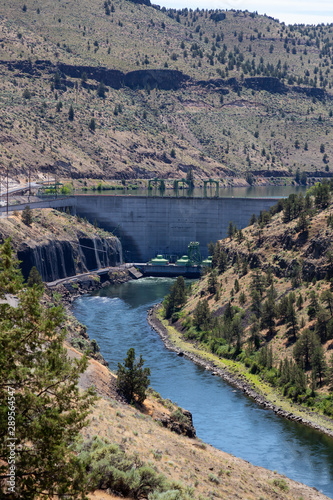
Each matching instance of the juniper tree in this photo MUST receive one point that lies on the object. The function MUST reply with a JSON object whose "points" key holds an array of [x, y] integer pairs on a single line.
{"points": [[48, 407], [71, 113], [27, 216], [34, 278], [212, 282], [133, 380]]}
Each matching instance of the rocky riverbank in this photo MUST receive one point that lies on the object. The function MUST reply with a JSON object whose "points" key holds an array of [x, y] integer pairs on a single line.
{"points": [[310, 419]]}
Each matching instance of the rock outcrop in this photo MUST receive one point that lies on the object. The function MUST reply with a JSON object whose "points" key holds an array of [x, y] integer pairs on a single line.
{"points": [[56, 259]]}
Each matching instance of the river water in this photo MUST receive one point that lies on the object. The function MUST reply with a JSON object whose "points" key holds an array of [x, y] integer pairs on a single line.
{"points": [[224, 417], [210, 191]]}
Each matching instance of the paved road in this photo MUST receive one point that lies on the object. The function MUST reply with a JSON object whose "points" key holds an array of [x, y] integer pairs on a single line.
{"points": [[103, 270]]}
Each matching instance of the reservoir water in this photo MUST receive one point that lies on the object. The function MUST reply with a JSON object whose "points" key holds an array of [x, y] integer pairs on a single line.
{"points": [[224, 417], [209, 192]]}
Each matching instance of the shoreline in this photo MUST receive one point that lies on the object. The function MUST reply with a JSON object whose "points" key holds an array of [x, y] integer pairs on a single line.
{"points": [[235, 380]]}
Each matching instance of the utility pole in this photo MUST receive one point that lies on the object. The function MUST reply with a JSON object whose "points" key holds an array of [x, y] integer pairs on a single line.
{"points": [[7, 191], [29, 183]]}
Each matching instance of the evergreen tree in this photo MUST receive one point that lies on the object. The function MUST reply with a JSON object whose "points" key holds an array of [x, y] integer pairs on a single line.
{"points": [[330, 373], [327, 298], [256, 303], [319, 366], [242, 298], [314, 305], [230, 230], [11, 279], [321, 324], [101, 90], [71, 114], [322, 195], [212, 282], [38, 384], [35, 278], [303, 223], [253, 219], [283, 308], [292, 321], [304, 348], [133, 380], [236, 285], [211, 248], [269, 315], [27, 216], [202, 315], [254, 338], [92, 125], [257, 282], [176, 297], [299, 302]]}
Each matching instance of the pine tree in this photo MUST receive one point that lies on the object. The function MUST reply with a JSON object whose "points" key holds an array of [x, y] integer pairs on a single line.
{"points": [[254, 338], [292, 321], [201, 315], [176, 297], [319, 366], [304, 348], [38, 385], [269, 315], [133, 380]]}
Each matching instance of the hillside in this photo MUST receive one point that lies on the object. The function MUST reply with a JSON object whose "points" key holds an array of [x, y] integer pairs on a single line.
{"points": [[59, 244], [265, 307], [194, 469], [158, 92]]}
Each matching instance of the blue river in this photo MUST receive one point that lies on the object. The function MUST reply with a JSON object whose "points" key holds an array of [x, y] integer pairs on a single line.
{"points": [[223, 417]]}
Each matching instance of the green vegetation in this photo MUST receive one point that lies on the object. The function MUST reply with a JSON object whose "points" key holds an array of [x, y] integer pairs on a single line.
{"points": [[27, 216], [108, 466], [133, 379], [35, 278], [267, 110], [41, 407], [262, 303]]}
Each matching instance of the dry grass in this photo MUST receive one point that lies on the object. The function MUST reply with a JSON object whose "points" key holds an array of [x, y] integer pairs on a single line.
{"points": [[201, 468], [213, 139]]}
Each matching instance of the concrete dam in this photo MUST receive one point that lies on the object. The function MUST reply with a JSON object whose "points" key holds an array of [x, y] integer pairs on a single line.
{"points": [[147, 226]]}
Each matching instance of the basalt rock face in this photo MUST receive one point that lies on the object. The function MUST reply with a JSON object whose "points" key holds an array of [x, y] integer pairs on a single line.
{"points": [[164, 79], [56, 259]]}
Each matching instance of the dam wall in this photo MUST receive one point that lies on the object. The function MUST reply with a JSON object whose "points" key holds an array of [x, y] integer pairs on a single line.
{"points": [[147, 226]]}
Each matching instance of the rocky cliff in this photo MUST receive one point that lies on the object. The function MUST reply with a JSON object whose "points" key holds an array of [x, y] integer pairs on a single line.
{"points": [[57, 259], [60, 245]]}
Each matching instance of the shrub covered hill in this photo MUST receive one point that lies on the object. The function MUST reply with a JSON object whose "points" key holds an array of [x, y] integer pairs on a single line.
{"points": [[267, 302], [120, 89]]}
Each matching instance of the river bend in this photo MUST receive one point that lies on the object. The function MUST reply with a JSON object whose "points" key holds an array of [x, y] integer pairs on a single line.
{"points": [[223, 416]]}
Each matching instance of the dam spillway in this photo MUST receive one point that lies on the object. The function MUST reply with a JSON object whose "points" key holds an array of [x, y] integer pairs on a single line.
{"points": [[150, 225]]}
